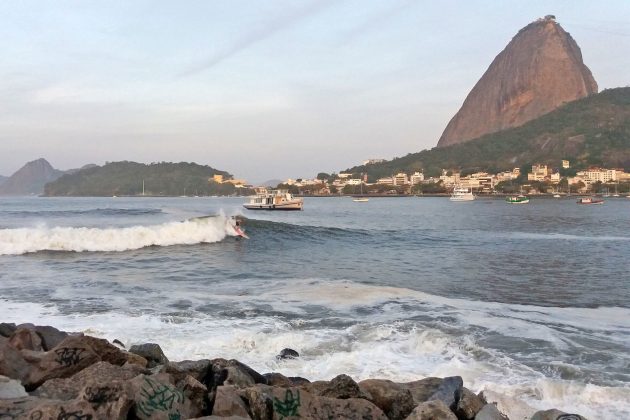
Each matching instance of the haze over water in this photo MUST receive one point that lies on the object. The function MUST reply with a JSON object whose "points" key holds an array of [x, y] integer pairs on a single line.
{"points": [[528, 303]]}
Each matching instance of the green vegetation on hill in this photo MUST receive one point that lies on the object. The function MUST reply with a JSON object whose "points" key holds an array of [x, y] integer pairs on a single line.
{"points": [[125, 178], [591, 131]]}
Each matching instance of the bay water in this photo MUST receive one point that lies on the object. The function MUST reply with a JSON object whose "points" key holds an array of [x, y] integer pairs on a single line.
{"points": [[528, 303]]}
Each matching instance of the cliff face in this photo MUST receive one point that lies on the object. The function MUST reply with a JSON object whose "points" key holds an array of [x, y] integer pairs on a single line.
{"points": [[30, 179], [539, 70]]}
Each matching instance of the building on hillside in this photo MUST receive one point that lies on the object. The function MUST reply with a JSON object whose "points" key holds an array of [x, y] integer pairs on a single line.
{"points": [[508, 175], [354, 181], [594, 174], [373, 161], [479, 181], [566, 164], [555, 177], [343, 175], [538, 173], [217, 178], [416, 178], [385, 181], [401, 178], [450, 180]]}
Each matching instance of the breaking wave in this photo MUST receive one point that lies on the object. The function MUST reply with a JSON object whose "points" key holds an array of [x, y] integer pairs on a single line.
{"points": [[80, 239]]}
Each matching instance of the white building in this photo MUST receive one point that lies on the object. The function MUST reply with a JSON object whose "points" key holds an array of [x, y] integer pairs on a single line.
{"points": [[416, 178], [538, 173], [401, 178], [373, 161], [385, 181], [354, 181]]}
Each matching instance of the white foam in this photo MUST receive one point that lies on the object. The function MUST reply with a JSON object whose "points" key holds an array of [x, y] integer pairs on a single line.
{"points": [[80, 239], [386, 344]]}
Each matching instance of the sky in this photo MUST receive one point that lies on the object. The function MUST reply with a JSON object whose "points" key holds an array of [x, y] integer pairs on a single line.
{"points": [[263, 89]]}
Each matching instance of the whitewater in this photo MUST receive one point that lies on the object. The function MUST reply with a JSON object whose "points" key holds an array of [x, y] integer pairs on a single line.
{"points": [[529, 304]]}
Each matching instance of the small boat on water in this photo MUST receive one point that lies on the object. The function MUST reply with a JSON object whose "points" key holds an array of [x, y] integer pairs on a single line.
{"points": [[361, 200], [462, 194], [517, 199], [589, 200], [274, 200], [556, 196]]}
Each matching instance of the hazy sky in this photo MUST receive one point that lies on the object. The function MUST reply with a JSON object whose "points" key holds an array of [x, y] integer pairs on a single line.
{"points": [[262, 89]]}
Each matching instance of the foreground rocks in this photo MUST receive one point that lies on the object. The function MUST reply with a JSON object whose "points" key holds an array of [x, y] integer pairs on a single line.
{"points": [[49, 374]]}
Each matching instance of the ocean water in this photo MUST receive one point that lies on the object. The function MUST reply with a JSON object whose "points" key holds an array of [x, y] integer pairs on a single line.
{"points": [[528, 303]]}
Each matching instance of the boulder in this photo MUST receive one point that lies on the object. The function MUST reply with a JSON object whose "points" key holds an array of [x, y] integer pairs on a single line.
{"points": [[156, 398], [136, 360], [108, 401], [238, 377], [26, 339], [469, 405], [228, 402], [277, 379], [197, 393], [275, 403], [11, 388], [447, 389], [150, 351], [490, 412], [341, 387], [288, 354], [555, 414], [50, 336], [6, 329], [98, 374], [198, 369], [72, 355], [36, 408], [298, 381], [395, 400], [12, 363], [432, 410]]}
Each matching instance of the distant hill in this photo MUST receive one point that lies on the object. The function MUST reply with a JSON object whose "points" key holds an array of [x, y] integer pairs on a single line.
{"points": [[30, 179], [126, 178], [591, 131], [538, 71]]}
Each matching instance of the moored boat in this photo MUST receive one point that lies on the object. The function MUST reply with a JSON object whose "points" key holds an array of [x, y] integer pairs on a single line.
{"points": [[589, 200], [273, 200], [462, 194], [517, 199]]}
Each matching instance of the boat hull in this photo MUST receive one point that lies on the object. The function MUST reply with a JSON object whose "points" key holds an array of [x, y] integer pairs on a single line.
{"points": [[274, 207]]}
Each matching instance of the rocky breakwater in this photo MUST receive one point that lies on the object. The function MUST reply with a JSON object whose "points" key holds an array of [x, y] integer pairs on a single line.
{"points": [[49, 374]]}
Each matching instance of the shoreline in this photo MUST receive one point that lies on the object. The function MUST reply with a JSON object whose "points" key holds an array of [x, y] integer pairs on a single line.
{"points": [[51, 373]]}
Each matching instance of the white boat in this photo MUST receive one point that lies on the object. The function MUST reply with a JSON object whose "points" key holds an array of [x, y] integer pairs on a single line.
{"points": [[556, 196], [273, 200], [462, 194], [361, 200]]}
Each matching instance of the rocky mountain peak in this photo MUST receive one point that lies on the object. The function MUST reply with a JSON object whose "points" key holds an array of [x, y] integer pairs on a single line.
{"points": [[30, 178], [538, 71]]}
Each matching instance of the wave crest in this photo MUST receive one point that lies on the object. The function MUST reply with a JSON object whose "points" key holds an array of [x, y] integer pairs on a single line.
{"points": [[80, 239]]}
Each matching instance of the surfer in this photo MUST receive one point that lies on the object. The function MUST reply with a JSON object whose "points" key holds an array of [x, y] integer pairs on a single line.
{"points": [[238, 230]]}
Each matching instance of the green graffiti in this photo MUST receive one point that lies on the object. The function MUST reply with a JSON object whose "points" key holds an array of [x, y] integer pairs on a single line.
{"points": [[159, 397], [288, 407]]}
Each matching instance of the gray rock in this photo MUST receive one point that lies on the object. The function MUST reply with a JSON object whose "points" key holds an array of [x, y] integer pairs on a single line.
{"points": [[150, 351], [6, 329], [432, 410], [198, 369], [447, 389], [490, 412], [288, 354], [50, 336], [343, 387], [277, 379], [555, 414], [11, 388], [469, 405], [395, 401]]}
